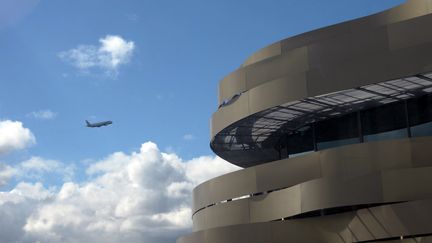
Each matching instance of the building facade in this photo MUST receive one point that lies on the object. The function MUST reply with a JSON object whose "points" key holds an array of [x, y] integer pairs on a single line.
{"points": [[334, 131]]}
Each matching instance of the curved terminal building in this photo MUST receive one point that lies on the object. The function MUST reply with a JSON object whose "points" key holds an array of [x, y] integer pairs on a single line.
{"points": [[334, 131]]}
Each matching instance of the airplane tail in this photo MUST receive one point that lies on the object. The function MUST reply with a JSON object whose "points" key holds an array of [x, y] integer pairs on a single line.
{"points": [[87, 122]]}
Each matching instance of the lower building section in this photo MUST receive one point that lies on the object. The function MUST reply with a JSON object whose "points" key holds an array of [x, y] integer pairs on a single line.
{"points": [[399, 222], [367, 192]]}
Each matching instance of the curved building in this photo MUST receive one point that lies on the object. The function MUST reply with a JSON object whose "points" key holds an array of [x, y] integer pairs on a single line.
{"points": [[334, 131]]}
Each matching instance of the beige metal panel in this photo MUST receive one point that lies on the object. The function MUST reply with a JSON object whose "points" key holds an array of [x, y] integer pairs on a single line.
{"points": [[295, 231], [333, 192], [402, 219], [235, 212], [388, 217], [199, 220], [196, 237], [349, 73], [253, 233], [290, 63], [278, 91], [360, 159], [343, 163], [287, 172], [424, 239], [265, 53], [228, 186], [421, 152], [321, 194], [201, 196], [230, 114], [232, 84], [275, 205], [402, 34], [408, 184], [418, 213], [359, 230], [353, 45], [314, 36], [372, 224]]}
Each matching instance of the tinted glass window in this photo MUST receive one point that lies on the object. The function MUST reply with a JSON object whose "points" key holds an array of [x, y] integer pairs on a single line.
{"points": [[337, 131], [420, 116], [300, 141], [384, 118], [420, 110]]}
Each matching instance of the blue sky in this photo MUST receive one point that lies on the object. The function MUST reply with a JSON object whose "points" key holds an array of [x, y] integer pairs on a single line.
{"points": [[152, 67]]}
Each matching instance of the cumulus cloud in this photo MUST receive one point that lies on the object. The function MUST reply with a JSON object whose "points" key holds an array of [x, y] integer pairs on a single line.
{"points": [[112, 52], [6, 173], [37, 167], [43, 114], [13, 136], [143, 196]]}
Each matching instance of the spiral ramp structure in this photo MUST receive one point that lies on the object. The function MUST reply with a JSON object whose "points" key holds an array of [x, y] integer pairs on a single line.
{"points": [[334, 131]]}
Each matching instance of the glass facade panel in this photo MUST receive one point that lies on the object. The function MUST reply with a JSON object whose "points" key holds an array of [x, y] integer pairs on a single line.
{"points": [[337, 143], [420, 110], [337, 131], [383, 119], [421, 130], [300, 154], [401, 133], [300, 141]]}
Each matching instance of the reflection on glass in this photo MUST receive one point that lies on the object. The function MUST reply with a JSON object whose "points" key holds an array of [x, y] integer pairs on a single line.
{"points": [[382, 119], [300, 141], [337, 143], [422, 130], [337, 131], [378, 123], [300, 154], [420, 110], [401, 133]]}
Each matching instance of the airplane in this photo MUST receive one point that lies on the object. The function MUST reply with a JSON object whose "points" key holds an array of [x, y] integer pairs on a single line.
{"points": [[98, 124]]}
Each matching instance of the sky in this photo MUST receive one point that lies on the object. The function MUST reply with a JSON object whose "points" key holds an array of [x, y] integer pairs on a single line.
{"points": [[152, 67]]}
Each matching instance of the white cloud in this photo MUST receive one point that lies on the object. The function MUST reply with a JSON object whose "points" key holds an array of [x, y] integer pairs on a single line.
{"points": [[139, 197], [39, 164], [188, 137], [13, 136], [43, 114], [6, 173], [112, 52]]}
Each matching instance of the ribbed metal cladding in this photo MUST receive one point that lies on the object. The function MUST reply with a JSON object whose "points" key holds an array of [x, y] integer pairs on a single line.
{"points": [[334, 130]]}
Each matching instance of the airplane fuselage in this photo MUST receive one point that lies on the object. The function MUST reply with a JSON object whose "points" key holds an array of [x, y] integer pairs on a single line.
{"points": [[99, 124]]}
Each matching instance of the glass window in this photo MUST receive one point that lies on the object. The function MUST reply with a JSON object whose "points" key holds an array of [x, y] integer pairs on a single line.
{"points": [[424, 129], [300, 141], [395, 134], [337, 131], [384, 122], [420, 116]]}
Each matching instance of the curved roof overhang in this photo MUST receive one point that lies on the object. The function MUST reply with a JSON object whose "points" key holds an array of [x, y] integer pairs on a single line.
{"points": [[258, 134], [322, 74]]}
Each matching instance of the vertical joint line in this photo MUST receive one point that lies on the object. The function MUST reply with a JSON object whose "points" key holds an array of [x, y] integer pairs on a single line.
{"points": [[407, 119], [359, 127], [314, 137]]}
